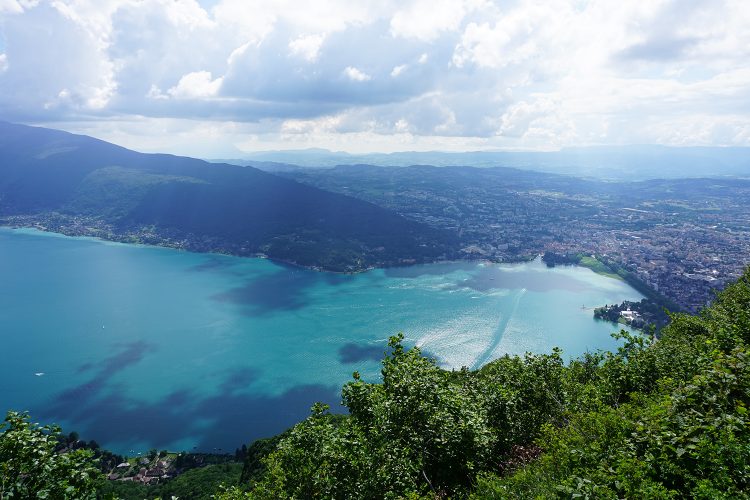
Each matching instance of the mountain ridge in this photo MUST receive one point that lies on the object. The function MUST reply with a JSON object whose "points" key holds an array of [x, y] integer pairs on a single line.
{"points": [[76, 184], [632, 162]]}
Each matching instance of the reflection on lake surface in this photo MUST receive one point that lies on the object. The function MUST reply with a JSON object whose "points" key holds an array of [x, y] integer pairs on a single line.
{"points": [[145, 347]]}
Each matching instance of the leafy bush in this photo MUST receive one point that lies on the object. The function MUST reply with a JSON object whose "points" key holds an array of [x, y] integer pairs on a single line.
{"points": [[31, 467]]}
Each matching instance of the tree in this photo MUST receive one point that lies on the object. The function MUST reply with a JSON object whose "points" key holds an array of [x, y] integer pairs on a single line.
{"points": [[30, 466], [421, 432]]}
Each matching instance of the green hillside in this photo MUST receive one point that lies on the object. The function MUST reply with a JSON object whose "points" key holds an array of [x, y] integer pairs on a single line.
{"points": [[83, 186]]}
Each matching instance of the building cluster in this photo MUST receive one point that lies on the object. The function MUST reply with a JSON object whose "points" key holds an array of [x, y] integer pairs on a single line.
{"points": [[683, 242], [143, 471]]}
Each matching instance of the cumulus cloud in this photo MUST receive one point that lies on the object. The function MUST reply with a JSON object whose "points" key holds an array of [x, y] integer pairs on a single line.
{"points": [[397, 70], [426, 19], [155, 92], [195, 85], [412, 74], [356, 75], [307, 46], [55, 66], [14, 6]]}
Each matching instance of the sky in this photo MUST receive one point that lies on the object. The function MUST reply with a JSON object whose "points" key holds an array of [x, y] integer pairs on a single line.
{"points": [[219, 78]]}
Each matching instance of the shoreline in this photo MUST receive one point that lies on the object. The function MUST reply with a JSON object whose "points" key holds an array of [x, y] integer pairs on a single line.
{"points": [[178, 246], [107, 236], [43, 231]]}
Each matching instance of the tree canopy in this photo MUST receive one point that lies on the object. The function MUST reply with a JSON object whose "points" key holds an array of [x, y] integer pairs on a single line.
{"points": [[31, 466]]}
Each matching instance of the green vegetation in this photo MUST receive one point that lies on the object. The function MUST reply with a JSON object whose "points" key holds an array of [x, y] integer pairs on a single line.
{"points": [[254, 465], [664, 419], [92, 188], [41, 462], [113, 192], [598, 267], [578, 259], [32, 467], [646, 315], [201, 483]]}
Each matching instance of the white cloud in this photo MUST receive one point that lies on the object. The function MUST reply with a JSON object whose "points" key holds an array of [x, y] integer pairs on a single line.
{"points": [[237, 53], [356, 75], [196, 84], [397, 70], [154, 92], [318, 125], [50, 51], [519, 117], [484, 74], [306, 46], [16, 6], [10, 7], [426, 19], [401, 125]]}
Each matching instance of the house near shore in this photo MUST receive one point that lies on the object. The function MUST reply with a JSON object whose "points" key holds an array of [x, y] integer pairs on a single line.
{"points": [[629, 315]]}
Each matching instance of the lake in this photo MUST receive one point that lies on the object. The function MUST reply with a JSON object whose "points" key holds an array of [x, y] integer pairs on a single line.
{"points": [[141, 347]]}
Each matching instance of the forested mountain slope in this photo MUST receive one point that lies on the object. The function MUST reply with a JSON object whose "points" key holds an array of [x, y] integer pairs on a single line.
{"points": [[80, 185]]}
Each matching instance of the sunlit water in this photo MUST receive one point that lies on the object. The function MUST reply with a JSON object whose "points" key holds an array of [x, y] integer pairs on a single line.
{"points": [[139, 347]]}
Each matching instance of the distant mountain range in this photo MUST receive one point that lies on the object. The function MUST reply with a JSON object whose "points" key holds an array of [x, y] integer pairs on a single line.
{"points": [[602, 162], [80, 185]]}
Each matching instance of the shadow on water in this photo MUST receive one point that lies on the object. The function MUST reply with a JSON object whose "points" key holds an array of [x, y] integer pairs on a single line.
{"points": [[130, 354], [284, 290], [238, 379], [429, 269], [214, 263], [269, 293], [73, 402], [224, 420], [354, 353], [535, 281]]}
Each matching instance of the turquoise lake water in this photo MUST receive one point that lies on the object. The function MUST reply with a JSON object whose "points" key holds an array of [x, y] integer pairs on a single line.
{"points": [[140, 347]]}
